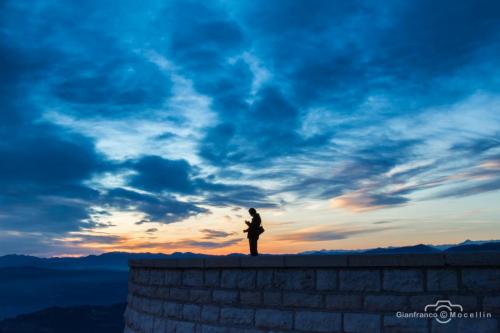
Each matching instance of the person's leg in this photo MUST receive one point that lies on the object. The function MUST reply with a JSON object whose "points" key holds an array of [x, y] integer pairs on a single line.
{"points": [[253, 246]]}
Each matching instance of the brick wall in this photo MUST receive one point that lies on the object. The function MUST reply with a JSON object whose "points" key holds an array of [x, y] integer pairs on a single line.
{"points": [[355, 293]]}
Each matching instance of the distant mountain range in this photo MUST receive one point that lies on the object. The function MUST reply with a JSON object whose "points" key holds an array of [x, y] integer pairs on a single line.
{"points": [[79, 319], [466, 246]]}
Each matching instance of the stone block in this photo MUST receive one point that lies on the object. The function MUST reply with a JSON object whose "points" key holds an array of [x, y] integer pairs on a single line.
{"points": [[192, 278], [302, 299], [184, 327], [492, 304], [385, 303], [141, 275], [250, 297], [172, 277], [344, 302], [210, 313], [156, 277], [263, 261], [212, 278], [200, 295], [294, 279], [361, 323], [191, 312], [265, 279], [403, 280], [214, 329], [238, 278], [466, 325], [396, 260], [393, 324], [473, 259], [172, 309], [270, 298], [225, 296], [318, 321], [442, 280], [359, 280], [236, 316], [481, 279], [273, 319], [316, 261], [179, 294], [326, 279]]}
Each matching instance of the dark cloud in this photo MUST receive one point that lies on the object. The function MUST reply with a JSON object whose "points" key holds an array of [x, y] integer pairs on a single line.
{"points": [[157, 208], [157, 174], [328, 235], [215, 234]]}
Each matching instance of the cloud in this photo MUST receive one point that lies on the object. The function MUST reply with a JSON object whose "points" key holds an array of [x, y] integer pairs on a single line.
{"points": [[156, 174], [157, 208], [328, 235], [215, 234]]}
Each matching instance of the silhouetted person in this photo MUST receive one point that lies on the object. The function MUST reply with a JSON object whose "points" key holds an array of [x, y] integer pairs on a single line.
{"points": [[254, 230]]}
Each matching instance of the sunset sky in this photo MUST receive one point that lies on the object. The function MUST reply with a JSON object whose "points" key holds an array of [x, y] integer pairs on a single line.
{"points": [[154, 125]]}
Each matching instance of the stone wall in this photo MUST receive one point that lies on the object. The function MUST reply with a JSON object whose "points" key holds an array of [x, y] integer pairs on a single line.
{"points": [[334, 293]]}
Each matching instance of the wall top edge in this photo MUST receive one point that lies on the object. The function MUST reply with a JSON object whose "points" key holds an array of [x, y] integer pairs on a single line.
{"points": [[491, 259]]}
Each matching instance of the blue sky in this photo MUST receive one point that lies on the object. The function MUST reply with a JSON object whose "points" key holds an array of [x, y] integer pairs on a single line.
{"points": [[153, 126]]}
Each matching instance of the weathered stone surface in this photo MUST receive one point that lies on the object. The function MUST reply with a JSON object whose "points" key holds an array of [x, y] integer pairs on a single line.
{"points": [[179, 294], [172, 277], [222, 262], [280, 295], [212, 278], [236, 316], [359, 280], [265, 279], [238, 278], [492, 304], [481, 279], [418, 302], [361, 323], [385, 303], [316, 261], [210, 313], [263, 261], [156, 277], [318, 321], [344, 302], [393, 324], [142, 276], [326, 279], [192, 277], [270, 298], [491, 259], [463, 325], [184, 327], [403, 280], [225, 296], [250, 297], [172, 309], [442, 280], [396, 260], [294, 279], [200, 295], [191, 312], [214, 329], [274, 319], [308, 300], [152, 306]]}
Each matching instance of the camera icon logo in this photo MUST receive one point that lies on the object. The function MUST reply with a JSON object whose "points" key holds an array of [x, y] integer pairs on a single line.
{"points": [[444, 309]]}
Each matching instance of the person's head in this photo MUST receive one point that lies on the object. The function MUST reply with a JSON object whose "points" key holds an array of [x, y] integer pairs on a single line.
{"points": [[252, 211]]}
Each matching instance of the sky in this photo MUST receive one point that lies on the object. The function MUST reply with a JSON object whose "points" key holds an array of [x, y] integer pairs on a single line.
{"points": [[152, 126]]}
